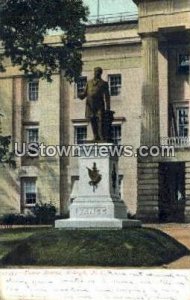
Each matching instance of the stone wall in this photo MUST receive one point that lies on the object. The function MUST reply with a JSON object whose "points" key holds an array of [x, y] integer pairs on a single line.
{"points": [[148, 191]]}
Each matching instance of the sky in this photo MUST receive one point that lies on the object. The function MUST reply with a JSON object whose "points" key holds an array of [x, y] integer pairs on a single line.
{"points": [[111, 6], [108, 7]]}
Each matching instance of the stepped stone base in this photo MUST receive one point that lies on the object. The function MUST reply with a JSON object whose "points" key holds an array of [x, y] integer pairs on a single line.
{"points": [[97, 223]]}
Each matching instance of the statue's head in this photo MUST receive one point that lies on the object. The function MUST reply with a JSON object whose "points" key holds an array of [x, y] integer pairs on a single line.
{"points": [[98, 72]]}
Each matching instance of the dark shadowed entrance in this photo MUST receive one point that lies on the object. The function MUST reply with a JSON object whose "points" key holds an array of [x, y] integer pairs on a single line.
{"points": [[171, 192]]}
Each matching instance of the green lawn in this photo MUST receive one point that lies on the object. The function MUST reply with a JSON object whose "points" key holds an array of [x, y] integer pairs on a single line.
{"points": [[11, 238], [132, 247]]}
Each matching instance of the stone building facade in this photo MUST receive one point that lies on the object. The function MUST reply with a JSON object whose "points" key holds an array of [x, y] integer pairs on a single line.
{"points": [[146, 63]]}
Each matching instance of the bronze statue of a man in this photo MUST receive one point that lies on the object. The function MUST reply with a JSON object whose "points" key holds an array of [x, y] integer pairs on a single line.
{"points": [[97, 103]]}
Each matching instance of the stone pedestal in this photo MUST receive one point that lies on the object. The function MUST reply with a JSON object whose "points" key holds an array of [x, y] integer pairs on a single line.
{"points": [[98, 204]]}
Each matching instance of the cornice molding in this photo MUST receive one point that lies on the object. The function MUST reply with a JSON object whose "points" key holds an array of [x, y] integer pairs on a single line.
{"points": [[112, 42]]}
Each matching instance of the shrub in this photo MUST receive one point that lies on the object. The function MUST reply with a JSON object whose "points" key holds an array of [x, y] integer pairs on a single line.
{"points": [[45, 213], [18, 219], [131, 215], [41, 214]]}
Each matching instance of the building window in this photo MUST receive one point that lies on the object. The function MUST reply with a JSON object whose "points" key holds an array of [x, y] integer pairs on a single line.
{"points": [[33, 90], [80, 134], [29, 191], [184, 63], [80, 86], [116, 134], [32, 135], [183, 121], [115, 84]]}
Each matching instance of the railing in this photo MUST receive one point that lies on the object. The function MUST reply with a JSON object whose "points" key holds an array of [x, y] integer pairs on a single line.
{"points": [[112, 18], [177, 142]]}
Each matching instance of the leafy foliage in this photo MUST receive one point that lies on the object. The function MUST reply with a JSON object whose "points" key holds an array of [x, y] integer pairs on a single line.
{"points": [[24, 25], [5, 155], [45, 213], [18, 219]]}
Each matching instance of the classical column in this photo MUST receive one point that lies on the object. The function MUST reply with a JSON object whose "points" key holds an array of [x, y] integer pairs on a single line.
{"points": [[150, 96]]}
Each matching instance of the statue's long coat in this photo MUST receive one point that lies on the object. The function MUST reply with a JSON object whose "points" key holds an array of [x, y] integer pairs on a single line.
{"points": [[97, 97]]}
